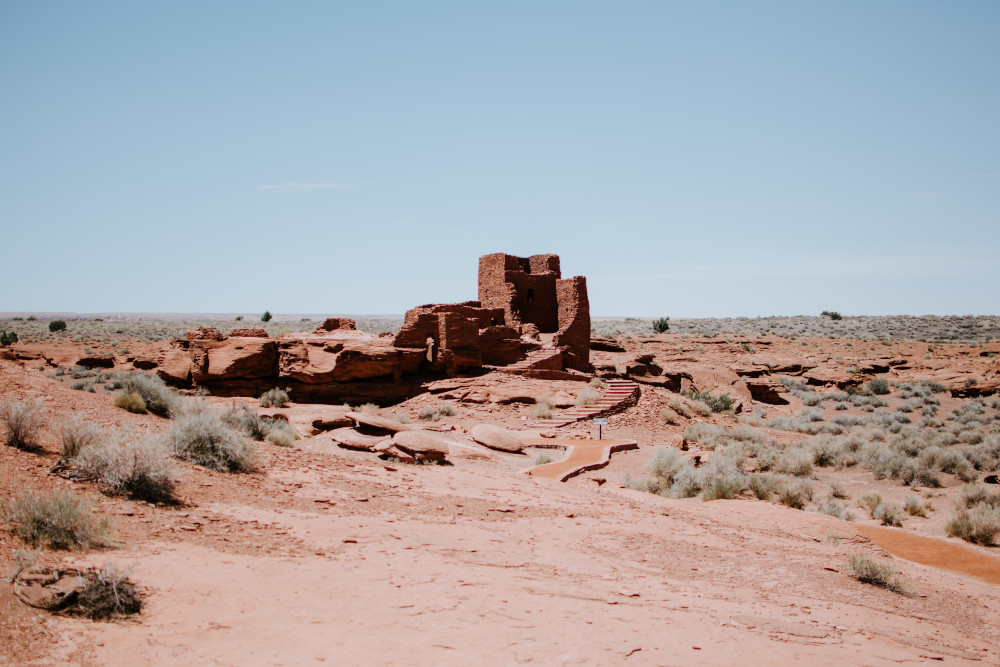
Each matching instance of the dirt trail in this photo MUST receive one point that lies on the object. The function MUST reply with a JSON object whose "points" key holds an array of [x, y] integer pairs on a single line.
{"points": [[581, 455], [935, 552]]}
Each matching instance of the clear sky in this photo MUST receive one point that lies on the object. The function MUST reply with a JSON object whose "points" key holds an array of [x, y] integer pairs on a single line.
{"points": [[701, 158]]}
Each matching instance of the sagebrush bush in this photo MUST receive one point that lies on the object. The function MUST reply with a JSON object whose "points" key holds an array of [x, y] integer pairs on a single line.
{"points": [[282, 434], [870, 501], [678, 405], [542, 459], [668, 416], [22, 422], [277, 398], [160, 399], [245, 419], [128, 465], [879, 386], [60, 520], [200, 435], [794, 492], [76, 433], [877, 573], [889, 514], [543, 407], [979, 525], [913, 506], [446, 409], [720, 403]]}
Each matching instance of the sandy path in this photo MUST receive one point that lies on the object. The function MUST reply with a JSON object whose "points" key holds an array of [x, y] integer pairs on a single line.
{"points": [[935, 552]]}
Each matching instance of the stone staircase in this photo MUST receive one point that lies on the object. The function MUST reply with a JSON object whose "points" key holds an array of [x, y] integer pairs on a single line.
{"points": [[615, 397], [535, 359]]}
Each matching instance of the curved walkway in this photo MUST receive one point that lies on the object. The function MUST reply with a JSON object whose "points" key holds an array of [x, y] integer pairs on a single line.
{"points": [[935, 552], [581, 455], [616, 395]]}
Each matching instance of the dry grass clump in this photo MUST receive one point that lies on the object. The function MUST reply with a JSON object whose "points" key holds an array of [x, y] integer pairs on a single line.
{"points": [[282, 434], [127, 465], [890, 514], [877, 573], [835, 509], [587, 397], [22, 422], [277, 398], [160, 399], [200, 435], [60, 520], [979, 520], [669, 416], [678, 405], [130, 401], [914, 507], [543, 407]]}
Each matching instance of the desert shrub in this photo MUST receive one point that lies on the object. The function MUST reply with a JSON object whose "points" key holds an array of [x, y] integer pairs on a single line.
{"points": [[160, 399], [266, 317], [723, 485], [245, 419], [794, 492], [720, 403], [22, 422], [835, 509], [797, 462], [974, 494], [428, 413], [668, 416], [138, 468], [446, 409], [708, 435], [201, 436], [979, 525], [832, 314], [878, 386], [76, 433], [837, 489], [7, 338], [281, 433], [676, 404], [543, 407], [60, 520], [870, 501], [277, 398], [664, 468], [542, 459], [84, 385], [57, 325], [763, 485], [108, 593], [130, 401], [913, 506], [687, 483], [877, 573], [587, 397], [889, 514], [661, 325], [598, 383]]}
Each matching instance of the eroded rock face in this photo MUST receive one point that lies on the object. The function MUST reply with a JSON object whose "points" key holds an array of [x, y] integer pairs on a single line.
{"points": [[205, 333], [335, 323], [233, 358], [420, 445], [249, 333], [319, 361], [378, 422]]}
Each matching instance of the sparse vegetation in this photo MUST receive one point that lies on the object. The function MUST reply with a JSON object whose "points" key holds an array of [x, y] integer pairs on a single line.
{"points": [[200, 435], [57, 325], [22, 422], [76, 433], [542, 459], [543, 407], [587, 397], [7, 338], [661, 325], [60, 520], [277, 398], [131, 402], [108, 593], [128, 465], [720, 403], [160, 399], [877, 573]]}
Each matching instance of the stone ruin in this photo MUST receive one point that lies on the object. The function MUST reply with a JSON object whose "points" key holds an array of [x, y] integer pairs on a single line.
{"points": [[528, 319]]}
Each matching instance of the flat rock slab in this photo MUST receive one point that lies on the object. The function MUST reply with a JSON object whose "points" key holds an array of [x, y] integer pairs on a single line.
{"points": [[351, 439], [379, 422], [496, 437]]}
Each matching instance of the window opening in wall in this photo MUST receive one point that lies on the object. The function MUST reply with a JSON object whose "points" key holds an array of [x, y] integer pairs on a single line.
{"points": [[531, 296]]}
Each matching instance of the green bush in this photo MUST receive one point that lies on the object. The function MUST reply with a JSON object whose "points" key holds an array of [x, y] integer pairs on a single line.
{"points": [[60, 520], [832, 314], [879, 386], [22, 422], [721, 403], [877, 573], [7, 338], [661, 325], [57, 325], [277, 398], [266, 317]]}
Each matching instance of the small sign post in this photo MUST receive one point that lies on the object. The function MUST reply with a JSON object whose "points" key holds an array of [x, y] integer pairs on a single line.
{"points": [[600, 421]]}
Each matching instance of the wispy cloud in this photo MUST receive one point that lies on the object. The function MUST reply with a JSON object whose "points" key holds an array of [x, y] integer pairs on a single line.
{"points": [[295, 187]]}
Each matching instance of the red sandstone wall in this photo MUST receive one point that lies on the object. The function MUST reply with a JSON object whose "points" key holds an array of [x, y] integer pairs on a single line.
{"points": [[574, 323]]}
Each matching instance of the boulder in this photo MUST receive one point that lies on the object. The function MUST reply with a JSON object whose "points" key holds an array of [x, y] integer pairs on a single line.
{"points": [[421, 445], [329, 422], [334, 323], [379, 422], [96, 361], [348, 438], [496, 437]]}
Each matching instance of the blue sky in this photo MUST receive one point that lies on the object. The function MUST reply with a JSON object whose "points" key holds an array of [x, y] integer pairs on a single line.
{"points": [[690, 158]]}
